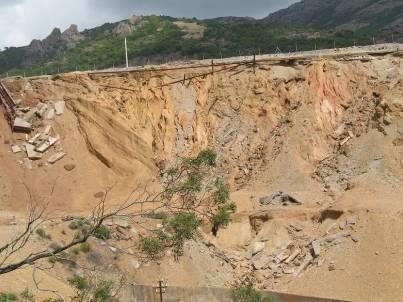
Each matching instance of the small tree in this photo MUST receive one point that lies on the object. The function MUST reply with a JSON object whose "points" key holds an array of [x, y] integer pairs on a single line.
{"points": [[191, 194]]}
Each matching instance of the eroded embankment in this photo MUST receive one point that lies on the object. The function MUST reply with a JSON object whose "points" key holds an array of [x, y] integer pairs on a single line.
{"points": [[328, 133]]}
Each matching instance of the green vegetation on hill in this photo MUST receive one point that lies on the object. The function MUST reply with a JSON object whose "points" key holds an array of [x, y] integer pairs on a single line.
{"points": [[158, 39]]}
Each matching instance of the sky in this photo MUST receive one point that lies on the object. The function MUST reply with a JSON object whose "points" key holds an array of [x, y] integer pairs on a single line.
{"points": [[24, 20]]}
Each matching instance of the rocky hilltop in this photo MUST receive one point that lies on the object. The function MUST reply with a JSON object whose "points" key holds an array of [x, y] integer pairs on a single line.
{"points": [[342, 14]]}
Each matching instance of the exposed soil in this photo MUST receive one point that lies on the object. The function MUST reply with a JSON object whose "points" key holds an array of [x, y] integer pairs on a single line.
{"points": [[327, 132]]}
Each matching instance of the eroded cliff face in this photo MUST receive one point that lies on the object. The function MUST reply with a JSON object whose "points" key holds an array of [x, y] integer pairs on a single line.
{"points": [[278, 122], [327, 132]]}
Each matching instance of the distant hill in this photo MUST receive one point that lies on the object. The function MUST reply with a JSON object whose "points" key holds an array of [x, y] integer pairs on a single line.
{"points": [[155, 39], [355, 15]]}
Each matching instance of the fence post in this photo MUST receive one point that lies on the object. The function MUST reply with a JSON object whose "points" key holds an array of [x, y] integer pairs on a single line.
{"points": [[254, 63]]}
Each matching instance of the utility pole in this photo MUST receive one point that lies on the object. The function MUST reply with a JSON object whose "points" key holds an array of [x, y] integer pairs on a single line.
{"points": [[127, 58], [160, 289]]}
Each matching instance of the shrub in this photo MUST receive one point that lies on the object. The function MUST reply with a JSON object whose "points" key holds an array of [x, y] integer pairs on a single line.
{"points": [[150, 246], [26, 295], [246, 294], [157, 215], [76, 224], [102, 232], [103, 292], [8, 297], [183, 227], [222, 217], [80, 283], [41, 233], [85, 247]]}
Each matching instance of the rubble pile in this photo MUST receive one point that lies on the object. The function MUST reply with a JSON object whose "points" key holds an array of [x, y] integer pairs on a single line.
{"points": [[40, 138], [292, 258]]}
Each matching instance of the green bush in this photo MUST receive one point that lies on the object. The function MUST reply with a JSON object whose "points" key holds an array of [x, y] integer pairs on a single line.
{"points": [[85, 247], [76, 224], [27, 296], [246, 294], [102, 232], [103, 292], [41, 233], [80, 283], [150, 246], [157, 215], [8, 297]]}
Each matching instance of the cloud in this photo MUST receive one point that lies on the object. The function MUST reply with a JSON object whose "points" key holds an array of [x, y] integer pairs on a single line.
{"points": [[192, 8], [24, 20]]}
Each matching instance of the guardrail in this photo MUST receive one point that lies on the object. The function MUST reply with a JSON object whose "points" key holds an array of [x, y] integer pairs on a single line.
{"points": [[8, 104]]}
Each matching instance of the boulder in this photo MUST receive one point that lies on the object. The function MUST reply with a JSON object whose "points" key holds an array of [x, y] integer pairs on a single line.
{"points": [[69, 167]]}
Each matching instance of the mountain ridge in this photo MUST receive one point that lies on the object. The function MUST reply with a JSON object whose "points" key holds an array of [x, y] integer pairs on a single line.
{"points": [[305, 25]]}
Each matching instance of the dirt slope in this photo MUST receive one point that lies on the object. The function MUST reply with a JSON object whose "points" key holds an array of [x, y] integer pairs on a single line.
{"points": [[327, 132]]}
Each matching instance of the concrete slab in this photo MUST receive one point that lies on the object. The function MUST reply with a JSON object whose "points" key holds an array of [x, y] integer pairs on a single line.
{"points": [[59, 107], [47, 129], [34, 138], [30, 115], [51, 114], [316, 248], [15, 149], [28, 163], [56, 157], [47, 144], [31, 153], [21, 126]]}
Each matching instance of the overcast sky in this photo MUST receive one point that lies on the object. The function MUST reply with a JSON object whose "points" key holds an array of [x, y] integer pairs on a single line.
{"points": [[24, 20]]}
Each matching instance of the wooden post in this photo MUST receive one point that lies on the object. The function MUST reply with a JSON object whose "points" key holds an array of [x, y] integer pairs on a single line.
{"points": [[254, 63], [212, 66], [160, 289]]}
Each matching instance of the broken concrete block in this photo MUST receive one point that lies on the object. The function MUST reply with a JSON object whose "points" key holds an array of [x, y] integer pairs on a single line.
{"points": [[136, 264], [258, 247], [31, 153], [47, 129], [15, 149], [28, 163], [308, 259], [316, 248], [33, 139], [355, 238], [293, 255], [30, 115], [261, 262], [351, 220], [47, 144], [123, 224], [332, 266], [282, 256], [288, 271], [51, 114], [259, 91], [56, 157], [59, 107], [41, 109], [21, 126], [337, 236], [344, 141]]}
